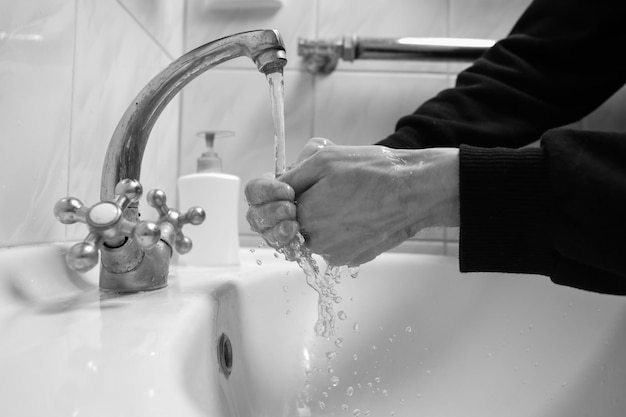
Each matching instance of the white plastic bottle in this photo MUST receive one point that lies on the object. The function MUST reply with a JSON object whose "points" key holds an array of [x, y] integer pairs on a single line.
{"points": [[216, 241]]}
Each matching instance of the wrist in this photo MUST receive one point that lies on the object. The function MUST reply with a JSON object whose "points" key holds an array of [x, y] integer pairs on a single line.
{"points": [[432, 177]]}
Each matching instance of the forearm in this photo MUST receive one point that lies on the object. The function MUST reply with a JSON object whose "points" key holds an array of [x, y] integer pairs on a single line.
{"points": [[555, 210], [529, 82]]}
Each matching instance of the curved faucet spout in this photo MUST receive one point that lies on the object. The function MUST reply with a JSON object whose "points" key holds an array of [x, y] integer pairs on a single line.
{"points": [[125, 153], [136, 264]]}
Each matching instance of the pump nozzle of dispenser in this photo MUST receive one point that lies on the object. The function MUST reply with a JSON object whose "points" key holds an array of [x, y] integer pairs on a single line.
{"points": [[210, 160]]}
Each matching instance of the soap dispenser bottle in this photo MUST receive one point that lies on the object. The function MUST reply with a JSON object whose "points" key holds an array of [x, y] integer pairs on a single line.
{"points": [[216, 241]]}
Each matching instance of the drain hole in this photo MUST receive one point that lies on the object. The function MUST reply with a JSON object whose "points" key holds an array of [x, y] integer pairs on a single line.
{"points": [[225, 354]]}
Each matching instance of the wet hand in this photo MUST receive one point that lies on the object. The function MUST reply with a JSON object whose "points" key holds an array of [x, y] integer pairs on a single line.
{"points": [[354, 203], [272, 211]]}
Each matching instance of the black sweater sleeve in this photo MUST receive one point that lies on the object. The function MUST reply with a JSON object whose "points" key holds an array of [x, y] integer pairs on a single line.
{"points": [[560, 61], [556, 210]]}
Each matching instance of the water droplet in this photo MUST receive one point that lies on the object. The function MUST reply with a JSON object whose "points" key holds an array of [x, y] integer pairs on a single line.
{"points": [[367, 413], [355, 356], [258, 262], [339, 342], [276, 255], [331, 370], [374, 347], [377, 379], [331, 355], [252, 250], [370, 385], [408, 329], [344, 407], [324, 394], [385, 393], [285, 288], [390, 340], [337, 299], [356, 412], [354, 271], [334, 380], [349, 391], [428, 372], [322, 405], [342, 315], [356, 327], [288, 312], [402, 401]]}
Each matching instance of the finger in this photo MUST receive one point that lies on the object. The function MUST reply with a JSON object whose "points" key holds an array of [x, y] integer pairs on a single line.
{"points": [[282, 233], [263, 190], [264, 216]]}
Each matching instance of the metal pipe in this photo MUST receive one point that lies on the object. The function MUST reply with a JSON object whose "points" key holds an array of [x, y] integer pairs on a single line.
{"points": [[322, 56]]}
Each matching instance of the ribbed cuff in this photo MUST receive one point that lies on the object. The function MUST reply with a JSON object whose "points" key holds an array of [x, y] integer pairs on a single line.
{"points": [[504, 210]]}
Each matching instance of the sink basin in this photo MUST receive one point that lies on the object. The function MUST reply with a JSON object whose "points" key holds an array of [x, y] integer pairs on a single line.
{"points": [[416, 338], [421, 339]]}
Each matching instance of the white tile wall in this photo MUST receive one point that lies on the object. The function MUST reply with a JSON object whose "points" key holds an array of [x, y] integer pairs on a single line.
{"points": [[36, 53], [69, 69], [110, 68]]}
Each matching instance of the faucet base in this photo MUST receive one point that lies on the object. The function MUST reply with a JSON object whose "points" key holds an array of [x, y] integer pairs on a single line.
{"points": [[148, 273]]}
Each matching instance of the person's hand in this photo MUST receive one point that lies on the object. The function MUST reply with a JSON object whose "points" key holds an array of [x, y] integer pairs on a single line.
{"points": [[353, 203], [272, 211]]}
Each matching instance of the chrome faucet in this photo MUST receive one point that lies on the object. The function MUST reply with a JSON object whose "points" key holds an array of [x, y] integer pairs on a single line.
{"points": [[136, 254]]}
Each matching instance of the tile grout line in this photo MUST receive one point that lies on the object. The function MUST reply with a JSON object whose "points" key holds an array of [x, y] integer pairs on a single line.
{"points": [[72, 97], [146, 31]]}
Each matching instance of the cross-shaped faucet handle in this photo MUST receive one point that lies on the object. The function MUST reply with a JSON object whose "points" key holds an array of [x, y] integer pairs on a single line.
{"points": [[107, 224]]}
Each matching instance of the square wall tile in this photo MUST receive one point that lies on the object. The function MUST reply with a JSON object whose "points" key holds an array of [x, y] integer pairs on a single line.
{"points": [[36, 47], [163, 20], [384, 19], [610, 115], [485, 19], [293, 19], [239, 101], [111, 67], [489, 19], [362, 108]]}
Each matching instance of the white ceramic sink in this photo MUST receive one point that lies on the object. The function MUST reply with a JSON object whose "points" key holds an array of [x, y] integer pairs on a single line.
{"points": [[240, 342]]}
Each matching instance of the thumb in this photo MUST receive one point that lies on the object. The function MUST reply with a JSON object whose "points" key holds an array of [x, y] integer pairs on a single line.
{"points": [[307, 171], [312, 147], [302, 176]]}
